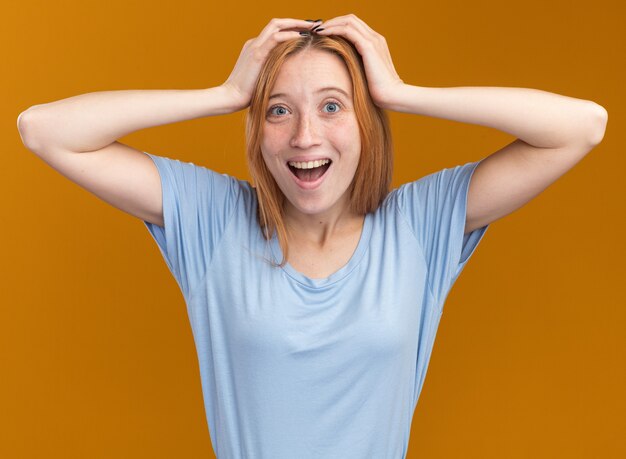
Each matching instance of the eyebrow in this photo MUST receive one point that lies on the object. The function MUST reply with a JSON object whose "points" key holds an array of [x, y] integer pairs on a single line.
{"points": [[328, 88]]}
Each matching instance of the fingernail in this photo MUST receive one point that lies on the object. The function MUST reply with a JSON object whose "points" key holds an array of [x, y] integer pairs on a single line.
{"points": [[310, 20], [317, 29], [304, 34]]}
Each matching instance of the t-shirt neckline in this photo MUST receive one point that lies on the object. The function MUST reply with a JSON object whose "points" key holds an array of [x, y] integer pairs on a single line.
{"points": [[354, 260]]}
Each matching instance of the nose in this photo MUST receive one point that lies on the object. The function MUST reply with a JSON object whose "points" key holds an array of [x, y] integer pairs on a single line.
{"points": [[305, 133]]}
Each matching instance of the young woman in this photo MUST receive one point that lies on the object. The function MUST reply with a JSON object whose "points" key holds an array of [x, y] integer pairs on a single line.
{"points": [[315, 293]]}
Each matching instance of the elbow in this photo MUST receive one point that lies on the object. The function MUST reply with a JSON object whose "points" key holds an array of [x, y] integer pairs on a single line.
{"points": [[25, 127], [598, 121]]}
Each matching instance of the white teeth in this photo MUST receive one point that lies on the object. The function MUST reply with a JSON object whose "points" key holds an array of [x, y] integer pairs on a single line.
{"points": [[310, 164]]}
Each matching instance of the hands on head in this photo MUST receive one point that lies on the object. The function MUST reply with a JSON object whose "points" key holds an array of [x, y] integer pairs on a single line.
{"points": [[383, 80], [254, 53]]}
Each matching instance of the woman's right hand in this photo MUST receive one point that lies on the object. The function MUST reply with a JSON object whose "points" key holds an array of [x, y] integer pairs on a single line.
{"points": [[242, 79]]}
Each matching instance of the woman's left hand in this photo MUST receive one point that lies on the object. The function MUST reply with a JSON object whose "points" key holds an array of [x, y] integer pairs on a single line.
{"points": [[382, 79]]}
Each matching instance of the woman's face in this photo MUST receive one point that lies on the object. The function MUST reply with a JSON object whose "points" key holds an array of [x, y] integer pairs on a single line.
{"points": [[311, 142]]}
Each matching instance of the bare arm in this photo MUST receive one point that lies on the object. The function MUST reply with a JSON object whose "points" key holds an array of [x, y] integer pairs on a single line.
{"points": [[78, 136], [554, 132], [539, 118], [91, 121], [88, 122]]}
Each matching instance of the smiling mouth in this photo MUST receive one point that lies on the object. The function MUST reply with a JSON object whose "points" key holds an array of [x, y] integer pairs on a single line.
{"points": [[309, 174]]}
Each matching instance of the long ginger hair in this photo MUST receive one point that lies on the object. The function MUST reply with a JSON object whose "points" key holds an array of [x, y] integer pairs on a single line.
{"points": [[372, 179]]}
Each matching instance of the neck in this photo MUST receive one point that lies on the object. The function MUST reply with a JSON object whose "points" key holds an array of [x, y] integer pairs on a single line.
{"points": [[319, 229]]}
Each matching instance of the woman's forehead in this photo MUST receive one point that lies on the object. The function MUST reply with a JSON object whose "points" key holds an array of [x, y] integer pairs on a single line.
{"points": [[312, 72]]}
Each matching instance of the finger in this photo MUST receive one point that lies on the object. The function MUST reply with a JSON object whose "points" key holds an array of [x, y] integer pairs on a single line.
{"points": [[363, 24], [282, 29], [349, 31], [278, 24], [349, 21]]}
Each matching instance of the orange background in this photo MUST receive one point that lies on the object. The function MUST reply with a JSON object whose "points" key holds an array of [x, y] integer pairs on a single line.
{"points": [[96, 353]]}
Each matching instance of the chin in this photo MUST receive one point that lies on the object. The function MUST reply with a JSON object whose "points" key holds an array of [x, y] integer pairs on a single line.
{"points": [[316, 207], [311, 209]]}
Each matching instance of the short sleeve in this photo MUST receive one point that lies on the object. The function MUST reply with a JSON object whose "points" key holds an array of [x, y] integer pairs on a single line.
{"points": [[197, 205], [435, 208]]}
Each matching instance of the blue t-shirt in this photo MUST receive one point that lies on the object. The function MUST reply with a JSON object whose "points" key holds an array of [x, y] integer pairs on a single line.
{"points": [[294, 367]]}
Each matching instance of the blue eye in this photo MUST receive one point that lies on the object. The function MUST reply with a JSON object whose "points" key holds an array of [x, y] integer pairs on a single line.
{"points": [[277, 107], [333, 103], [279, 110]]}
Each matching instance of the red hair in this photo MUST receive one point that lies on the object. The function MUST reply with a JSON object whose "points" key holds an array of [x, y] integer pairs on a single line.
{"points": [[372, 179]]}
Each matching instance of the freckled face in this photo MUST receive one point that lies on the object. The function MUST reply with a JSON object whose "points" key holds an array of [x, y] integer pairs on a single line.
{"points": [[307, 121]]}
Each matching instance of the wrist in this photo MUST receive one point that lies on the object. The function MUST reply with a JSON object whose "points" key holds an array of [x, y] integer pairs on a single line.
{"points": [[233, 97], [395, 97]]}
